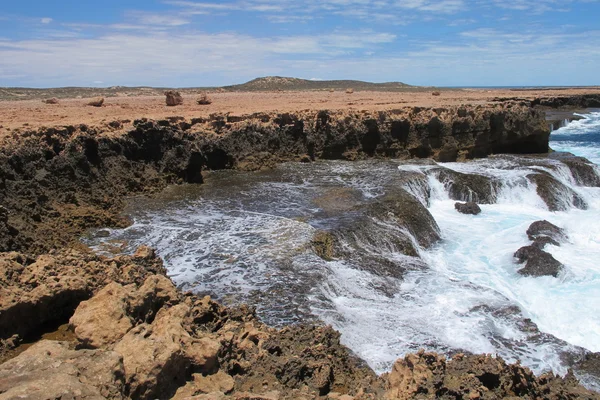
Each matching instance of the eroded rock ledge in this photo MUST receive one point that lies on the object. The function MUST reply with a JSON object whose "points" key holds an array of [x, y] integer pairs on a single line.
{"points": [[57, 182]]}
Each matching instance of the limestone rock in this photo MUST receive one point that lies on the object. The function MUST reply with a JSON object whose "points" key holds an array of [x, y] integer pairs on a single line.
{"points": [[50, 370], [158, 356], [219, 383], [49, 288], [173, 98], [468, 208], [103, 319]]}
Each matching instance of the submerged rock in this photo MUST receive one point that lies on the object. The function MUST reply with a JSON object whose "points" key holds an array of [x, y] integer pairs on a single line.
{"points": [[538, 262], [556, 195], [468, 208]]}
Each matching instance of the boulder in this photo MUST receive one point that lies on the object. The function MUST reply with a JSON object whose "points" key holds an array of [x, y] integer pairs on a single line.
{"points": [[52, 100], [204, 100], [51, 370], [173, 98], [97, 102], [538, 262], [468, 208], [545, 232]]}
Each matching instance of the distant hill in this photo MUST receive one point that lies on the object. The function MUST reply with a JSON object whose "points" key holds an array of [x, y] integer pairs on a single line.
{"points": [[282, 83], [269, 83]]}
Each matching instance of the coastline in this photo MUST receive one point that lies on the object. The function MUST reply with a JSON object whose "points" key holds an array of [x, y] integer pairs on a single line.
{"points": [[76, 177]]}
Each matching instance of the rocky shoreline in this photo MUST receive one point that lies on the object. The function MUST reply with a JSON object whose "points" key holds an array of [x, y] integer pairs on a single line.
{"points": [[133, 335]]}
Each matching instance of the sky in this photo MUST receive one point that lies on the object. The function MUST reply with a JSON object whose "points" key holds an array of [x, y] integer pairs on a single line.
{"points": [[181, 43]]}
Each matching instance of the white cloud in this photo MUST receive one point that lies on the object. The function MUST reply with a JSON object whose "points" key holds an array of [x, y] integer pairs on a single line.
{"points": [[46, 20]]}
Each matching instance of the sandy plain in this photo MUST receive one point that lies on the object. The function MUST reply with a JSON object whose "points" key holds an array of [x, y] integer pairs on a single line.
{"points": [[31, 114]]}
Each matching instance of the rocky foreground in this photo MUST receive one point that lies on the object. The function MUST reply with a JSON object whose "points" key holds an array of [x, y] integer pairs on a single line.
{"points": [[125, 331]]}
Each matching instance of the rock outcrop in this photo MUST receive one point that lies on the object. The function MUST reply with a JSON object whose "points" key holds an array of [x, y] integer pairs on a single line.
{"points": [[34, 292], [58, 182]]}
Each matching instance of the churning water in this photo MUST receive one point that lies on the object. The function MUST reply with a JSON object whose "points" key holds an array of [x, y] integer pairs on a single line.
{"points": [[245, 237]]}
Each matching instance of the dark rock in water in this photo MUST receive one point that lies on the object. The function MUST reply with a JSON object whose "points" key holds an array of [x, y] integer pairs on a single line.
{"points": [[539, 262], [582, 169], [468, 208], [556, 195], [547, 232], [469, 187]]}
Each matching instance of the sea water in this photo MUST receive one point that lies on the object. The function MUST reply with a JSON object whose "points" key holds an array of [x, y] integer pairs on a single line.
{"points": [[245, 237]]}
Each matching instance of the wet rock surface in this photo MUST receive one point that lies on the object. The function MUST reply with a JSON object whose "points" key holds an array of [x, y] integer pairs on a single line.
{"points": [[469, 187], [546, 232], [537, 262], [556, 195], [468, 208], [584, 172]]}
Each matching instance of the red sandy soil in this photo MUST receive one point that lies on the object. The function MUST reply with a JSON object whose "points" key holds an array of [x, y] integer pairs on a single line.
{"points": [[27, 114]]}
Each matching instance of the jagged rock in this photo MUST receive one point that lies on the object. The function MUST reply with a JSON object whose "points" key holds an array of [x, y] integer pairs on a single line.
{"points": [[435, 93], [159, 356], [173, 98], [49, 289], [103, 319], [114, 310], [430, 376], [538, 262], [468, 208], [97, 102], [556, 195], [50, 370]]}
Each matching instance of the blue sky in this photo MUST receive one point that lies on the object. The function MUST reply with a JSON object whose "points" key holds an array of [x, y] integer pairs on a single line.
{"points": [[180, 43]]}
